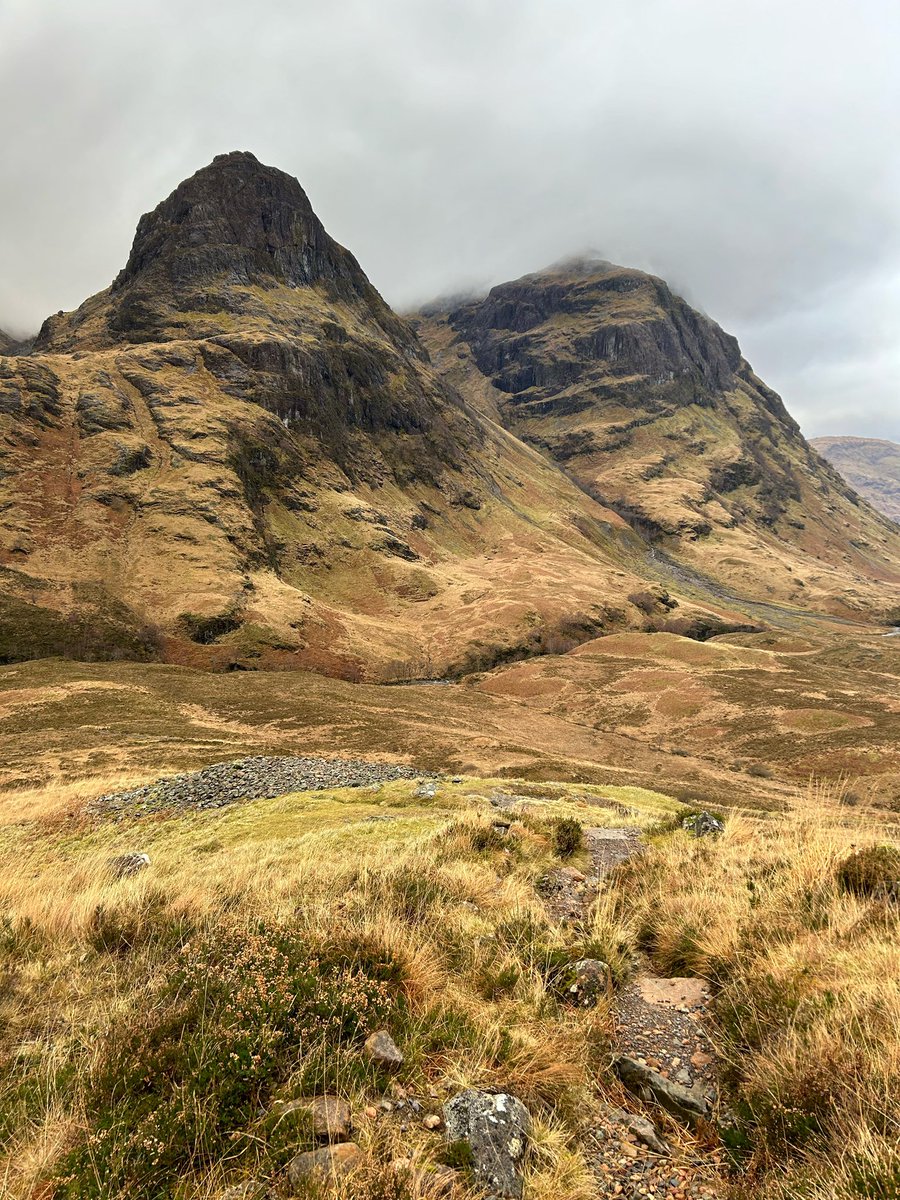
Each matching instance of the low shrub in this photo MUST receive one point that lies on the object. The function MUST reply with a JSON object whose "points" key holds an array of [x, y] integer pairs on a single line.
{"points": [[871, 872], [567, 837], [240, 1013]]}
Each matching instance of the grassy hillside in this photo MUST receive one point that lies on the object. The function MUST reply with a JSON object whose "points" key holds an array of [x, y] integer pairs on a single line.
{"points": [[152, 1024], [870, 465]]}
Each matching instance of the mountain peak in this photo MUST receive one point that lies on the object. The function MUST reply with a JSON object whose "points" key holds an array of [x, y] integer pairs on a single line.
{"points": [[239, 219]]}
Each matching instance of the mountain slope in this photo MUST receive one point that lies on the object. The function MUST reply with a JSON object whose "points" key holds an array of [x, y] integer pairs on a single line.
{"points": [[649, 406], [238, 455], [870, 465]]}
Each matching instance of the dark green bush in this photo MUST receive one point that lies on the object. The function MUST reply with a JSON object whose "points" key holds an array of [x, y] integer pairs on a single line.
{"points": [[567, 837], [237, 1016], [873, 871]]}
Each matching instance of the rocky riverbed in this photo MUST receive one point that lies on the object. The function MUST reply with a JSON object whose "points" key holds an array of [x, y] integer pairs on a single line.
{"points": [[257, 778]]}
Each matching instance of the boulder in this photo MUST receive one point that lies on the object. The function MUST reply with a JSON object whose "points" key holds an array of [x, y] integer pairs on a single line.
{"points": [[592, 979], [327, 1116], [703, 825], [383, 1050], [325, 1164], [125, 865], [649, 1085], [496, 1127]]}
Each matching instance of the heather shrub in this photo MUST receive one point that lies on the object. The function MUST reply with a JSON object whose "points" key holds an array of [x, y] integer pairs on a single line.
{"points": [[241, 1012]]}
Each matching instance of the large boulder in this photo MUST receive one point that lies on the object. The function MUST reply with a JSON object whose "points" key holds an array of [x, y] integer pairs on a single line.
{"points": [[496, 1127]]}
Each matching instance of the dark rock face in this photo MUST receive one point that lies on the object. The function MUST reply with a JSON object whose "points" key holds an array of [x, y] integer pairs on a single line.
{"points": [[674, 344], [644, 401]]}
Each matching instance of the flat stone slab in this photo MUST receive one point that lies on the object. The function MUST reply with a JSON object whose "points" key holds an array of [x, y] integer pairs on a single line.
{"points": [[679, 992]]}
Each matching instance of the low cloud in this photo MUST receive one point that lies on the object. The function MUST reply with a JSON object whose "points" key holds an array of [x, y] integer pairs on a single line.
{"points": [[746, 152]]}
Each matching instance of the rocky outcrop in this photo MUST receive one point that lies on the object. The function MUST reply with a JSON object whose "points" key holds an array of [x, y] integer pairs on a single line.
{"points": [[496, 1128]]}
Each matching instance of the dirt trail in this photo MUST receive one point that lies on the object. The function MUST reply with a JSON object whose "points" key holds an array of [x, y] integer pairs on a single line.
{"points": [[659, 1023]]}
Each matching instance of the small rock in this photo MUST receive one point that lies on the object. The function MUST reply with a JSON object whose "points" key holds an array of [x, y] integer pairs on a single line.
{"points": [[646, 1132], [383, 1050], [124, 865], [650, 1085], [324, 1164], [432, 1121], [496, 1127], [426, 791], [703, 825], [592, 979], [328, 1116]]}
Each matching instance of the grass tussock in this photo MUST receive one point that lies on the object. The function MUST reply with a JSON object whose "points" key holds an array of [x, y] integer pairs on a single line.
{"points": [[794, 921]]}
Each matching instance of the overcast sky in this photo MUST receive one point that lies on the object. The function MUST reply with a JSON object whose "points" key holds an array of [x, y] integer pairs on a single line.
{"points": [[746, 150]]}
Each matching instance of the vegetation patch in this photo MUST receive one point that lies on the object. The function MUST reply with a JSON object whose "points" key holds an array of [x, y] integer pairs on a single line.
{"points": [[241, 1013]]}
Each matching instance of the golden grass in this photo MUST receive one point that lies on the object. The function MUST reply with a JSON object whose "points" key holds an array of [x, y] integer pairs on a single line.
{"points": [[807, 983], [806, 976]]}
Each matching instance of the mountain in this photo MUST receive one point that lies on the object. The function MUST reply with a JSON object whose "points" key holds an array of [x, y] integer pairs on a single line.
{"points": [[238, 455], [651, 408], [870, 465]]}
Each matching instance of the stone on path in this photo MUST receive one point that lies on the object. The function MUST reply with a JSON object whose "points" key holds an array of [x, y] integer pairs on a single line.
{"points": [[383, 1050], [592, 979], [496, 1127], [679, 991], [649, 1085]]}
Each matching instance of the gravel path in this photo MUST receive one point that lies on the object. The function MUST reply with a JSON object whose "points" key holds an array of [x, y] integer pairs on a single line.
{"points": [[258, 778], [659, 1022], [568, 893]]}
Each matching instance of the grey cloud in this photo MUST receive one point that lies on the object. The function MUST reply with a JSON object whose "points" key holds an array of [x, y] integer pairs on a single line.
{"points": [[744, 151]]}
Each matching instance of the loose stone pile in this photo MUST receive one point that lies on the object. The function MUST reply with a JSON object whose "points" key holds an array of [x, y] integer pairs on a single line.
{"points": [[257, 778]]}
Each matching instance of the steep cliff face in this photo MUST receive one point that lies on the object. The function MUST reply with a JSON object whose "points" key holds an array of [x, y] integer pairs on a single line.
{"points": [[652, 409], [870, 465], [239, 455]]}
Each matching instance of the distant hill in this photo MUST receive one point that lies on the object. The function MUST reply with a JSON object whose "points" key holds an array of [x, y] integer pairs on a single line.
{"points": [[870, 465]]}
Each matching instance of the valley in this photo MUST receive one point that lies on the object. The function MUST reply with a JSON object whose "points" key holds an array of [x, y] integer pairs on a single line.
{"points": [[454, 755]]}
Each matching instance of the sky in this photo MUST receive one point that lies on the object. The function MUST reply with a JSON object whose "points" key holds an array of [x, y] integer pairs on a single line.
{"points": [[745, 150]]}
